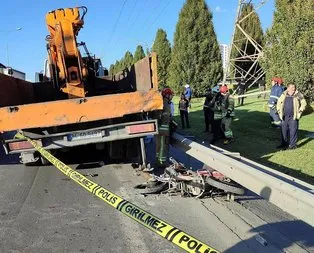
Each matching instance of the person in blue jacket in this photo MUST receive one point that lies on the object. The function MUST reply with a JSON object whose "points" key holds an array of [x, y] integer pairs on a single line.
{"points": [[188, 93], [276, 91]]}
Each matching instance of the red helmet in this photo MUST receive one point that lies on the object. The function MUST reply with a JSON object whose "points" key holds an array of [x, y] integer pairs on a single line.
{"points": [[275, 79], [167, 92], [223, 89]]}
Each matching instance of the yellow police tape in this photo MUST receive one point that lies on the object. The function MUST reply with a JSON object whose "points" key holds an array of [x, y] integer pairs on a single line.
{"points": [[160, 227]]}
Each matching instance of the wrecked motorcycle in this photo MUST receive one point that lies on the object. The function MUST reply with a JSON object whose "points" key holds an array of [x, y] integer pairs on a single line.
{"points": [[204, 182]]}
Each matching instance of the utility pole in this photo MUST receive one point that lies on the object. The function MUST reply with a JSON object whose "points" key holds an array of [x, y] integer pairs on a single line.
{"points": [[253, 74], [7, 33]]}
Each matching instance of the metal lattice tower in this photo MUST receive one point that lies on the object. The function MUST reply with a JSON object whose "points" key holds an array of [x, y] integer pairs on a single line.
{"points": [[253, 74]]}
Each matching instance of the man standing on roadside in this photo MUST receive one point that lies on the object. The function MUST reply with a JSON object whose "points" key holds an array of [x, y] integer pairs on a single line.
{"points": [[276, 91], [208, 112], [216, 105], [188, 93], [241, 91], [184, 114], [262, 87], [228, 113], [290, 106]]}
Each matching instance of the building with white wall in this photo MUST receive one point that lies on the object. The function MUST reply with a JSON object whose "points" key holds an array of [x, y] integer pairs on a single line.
{"points": [[12, 72], [224, 49]]}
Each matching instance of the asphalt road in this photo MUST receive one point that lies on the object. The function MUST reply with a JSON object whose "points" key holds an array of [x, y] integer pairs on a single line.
{"points": [[41, 210]]}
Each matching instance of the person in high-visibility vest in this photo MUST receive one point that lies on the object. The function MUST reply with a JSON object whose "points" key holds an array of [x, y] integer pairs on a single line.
{"points": [[165, 119], [223, 107], [227, 113]]}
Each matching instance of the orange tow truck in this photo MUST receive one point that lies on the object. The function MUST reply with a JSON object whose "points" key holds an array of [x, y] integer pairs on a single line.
{"points": [[75, 104]]}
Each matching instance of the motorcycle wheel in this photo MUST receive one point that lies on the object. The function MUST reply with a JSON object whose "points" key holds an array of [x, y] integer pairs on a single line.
{"points": [[231, 187]]}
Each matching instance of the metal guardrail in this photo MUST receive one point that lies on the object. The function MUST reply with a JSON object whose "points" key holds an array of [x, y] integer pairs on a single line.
{"points": [[291, 195]]}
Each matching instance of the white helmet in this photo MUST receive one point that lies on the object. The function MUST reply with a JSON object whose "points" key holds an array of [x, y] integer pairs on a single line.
{"points": [[186, 86]]}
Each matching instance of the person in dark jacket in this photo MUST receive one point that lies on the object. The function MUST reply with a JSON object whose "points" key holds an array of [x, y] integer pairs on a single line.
{"points": [[183, 108], [290, 106], [276, 91], [241, 91], [262, 87], [208, 112], [216, 104]]}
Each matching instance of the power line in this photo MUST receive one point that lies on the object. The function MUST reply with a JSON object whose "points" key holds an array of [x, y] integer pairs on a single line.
{"points": [[129, 18], [159, 14], [131, 12], [117, 21], [155, 8], [114, 27], [139, 14], [143, 8]]}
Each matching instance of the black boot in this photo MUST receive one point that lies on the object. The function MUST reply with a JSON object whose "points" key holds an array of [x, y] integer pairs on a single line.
{"points": [[282, 147]]}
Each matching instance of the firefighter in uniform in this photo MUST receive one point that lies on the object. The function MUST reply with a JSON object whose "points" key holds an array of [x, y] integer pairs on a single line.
{"points": [[223, 107], [227, 113], [165, 119]]}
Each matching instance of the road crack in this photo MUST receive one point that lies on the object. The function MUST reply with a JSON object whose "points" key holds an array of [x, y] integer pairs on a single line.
{"points": [[230, 228]]}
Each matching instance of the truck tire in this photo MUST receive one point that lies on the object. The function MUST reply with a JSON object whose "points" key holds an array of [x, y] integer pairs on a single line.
{"points": [[31, 164], [44, 161], [231, 187]]}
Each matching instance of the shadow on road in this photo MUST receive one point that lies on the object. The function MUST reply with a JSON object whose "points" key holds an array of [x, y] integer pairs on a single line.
{"points": [[278, 234]]}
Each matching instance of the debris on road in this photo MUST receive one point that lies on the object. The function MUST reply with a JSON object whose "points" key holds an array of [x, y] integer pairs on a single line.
{"points": [[261, 240]]}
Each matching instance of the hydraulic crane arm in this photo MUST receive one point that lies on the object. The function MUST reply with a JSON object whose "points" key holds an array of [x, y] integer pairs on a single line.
{"points": [[67, 70]]}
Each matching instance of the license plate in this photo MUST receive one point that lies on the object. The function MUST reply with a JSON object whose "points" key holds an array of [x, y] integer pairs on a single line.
{"points": [[84, 135], [140, 128]]}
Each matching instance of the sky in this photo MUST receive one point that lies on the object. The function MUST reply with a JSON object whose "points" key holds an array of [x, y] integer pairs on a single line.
{"points": [[111, 27]]}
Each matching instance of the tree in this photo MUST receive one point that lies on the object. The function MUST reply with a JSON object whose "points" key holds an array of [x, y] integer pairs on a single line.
{"points": [[195, 57], [162, 47], [252, 26], [139, 54], [112, 69], [289, 50], [127, 60], [148, 51], [117, 66]]}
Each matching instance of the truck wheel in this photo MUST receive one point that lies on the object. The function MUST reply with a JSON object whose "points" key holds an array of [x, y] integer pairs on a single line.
{"points": [[44, 161], [31, 164]]}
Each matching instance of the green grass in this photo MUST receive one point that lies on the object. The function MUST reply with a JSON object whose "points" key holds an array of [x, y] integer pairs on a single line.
{"points": [[256, 140]]}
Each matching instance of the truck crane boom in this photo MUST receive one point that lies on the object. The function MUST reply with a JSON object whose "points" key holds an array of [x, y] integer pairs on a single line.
{"points": [[67, 70]]}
